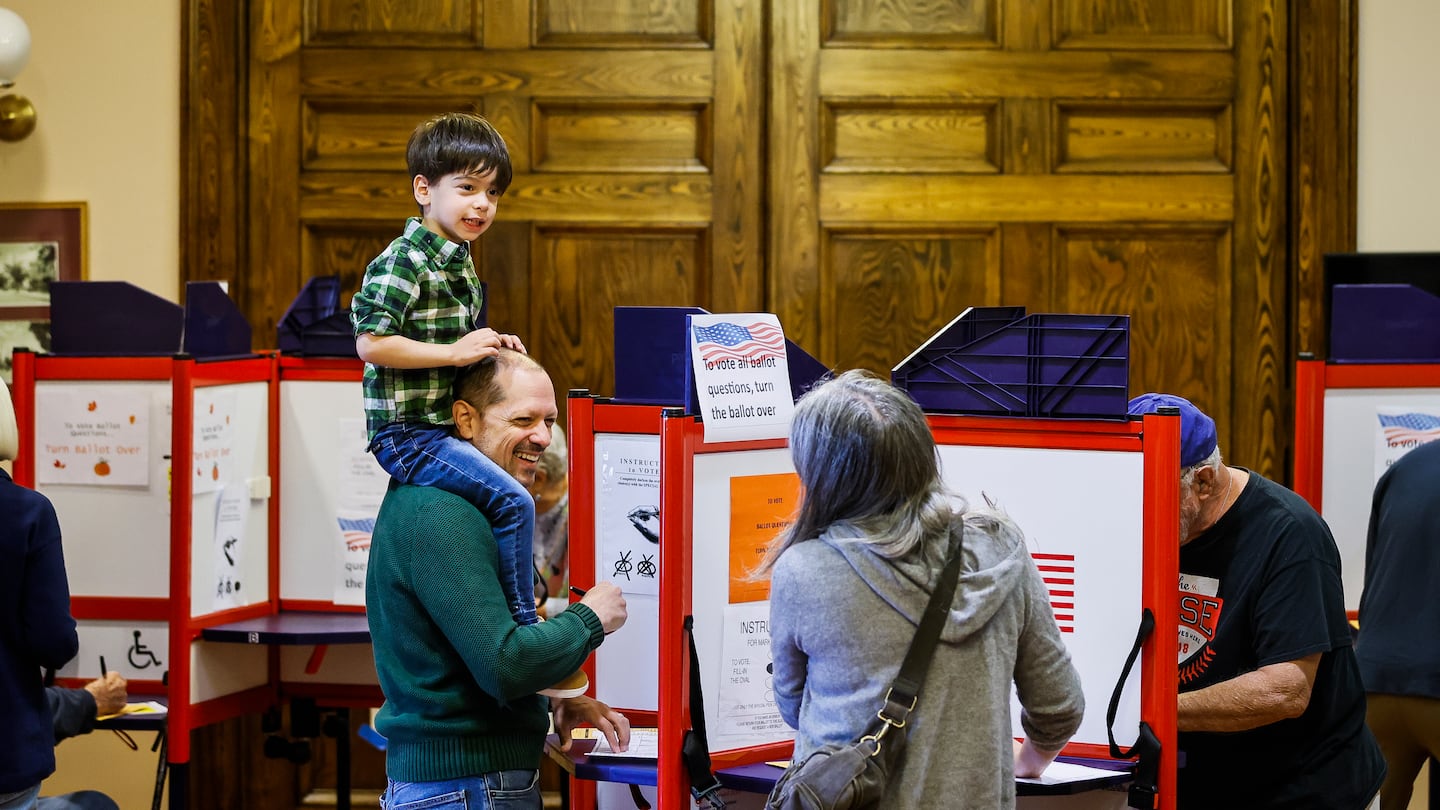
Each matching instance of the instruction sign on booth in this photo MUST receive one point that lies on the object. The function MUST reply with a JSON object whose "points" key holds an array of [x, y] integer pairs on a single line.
{"points": [[742, 377]]}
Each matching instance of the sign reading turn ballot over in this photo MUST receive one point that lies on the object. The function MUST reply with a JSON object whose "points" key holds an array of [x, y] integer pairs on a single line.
{"points": [[742, 379]]}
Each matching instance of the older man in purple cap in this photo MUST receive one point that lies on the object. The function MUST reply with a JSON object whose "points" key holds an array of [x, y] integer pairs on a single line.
{"points": [[1272, 710]]}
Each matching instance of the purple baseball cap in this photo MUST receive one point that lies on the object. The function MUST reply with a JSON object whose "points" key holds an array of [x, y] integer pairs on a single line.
{"points": [[1197, 431]]}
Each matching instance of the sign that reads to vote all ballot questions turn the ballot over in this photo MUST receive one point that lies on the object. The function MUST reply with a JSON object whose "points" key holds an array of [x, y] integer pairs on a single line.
{"points": [[742, 379]]}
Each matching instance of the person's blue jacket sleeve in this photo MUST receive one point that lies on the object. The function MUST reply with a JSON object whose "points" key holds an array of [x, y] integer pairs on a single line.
{"points": [[47, 631], [74, 711]]}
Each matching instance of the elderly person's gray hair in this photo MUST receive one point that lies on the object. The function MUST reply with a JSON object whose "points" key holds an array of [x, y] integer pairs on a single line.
{"points": [[868, 466], [9, 433], [556, 458]]}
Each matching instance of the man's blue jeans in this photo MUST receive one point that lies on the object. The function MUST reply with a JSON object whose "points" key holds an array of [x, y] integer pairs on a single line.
{"points": [[23, 800], [428, 456], [499, 790], [79, 800]]}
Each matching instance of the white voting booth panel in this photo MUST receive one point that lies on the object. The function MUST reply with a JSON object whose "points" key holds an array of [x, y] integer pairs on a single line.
{"points": [[627, 477], [1081, 513], [731, 723], [138, 650], [322, 426], [1351, 468], [117, 538], [230, 512], [220, 670]]}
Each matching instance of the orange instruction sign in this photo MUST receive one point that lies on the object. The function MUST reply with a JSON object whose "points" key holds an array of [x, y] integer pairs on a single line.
{"points": [[761, 506]]}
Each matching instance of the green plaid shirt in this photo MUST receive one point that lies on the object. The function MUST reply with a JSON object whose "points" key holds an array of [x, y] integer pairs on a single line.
{"points": [[423, 286]]}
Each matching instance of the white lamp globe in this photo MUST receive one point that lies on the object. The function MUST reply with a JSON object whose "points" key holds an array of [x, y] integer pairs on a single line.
{"points": [[14, 46]]}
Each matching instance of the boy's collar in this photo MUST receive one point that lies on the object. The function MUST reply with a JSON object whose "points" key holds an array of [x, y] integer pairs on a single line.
{"points": [[434, 245]]}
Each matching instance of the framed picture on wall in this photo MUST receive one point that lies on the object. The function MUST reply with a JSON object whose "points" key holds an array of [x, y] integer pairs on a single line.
{"points": [[39, 243]]}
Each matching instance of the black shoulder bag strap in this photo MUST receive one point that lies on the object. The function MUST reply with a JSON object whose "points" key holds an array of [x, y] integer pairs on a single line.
{"points": [[904, 692], [695, 748], [1146, 750]]}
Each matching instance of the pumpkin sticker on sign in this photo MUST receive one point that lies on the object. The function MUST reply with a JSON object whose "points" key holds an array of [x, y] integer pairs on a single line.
{"points": [[92, 439], [213, 440]]}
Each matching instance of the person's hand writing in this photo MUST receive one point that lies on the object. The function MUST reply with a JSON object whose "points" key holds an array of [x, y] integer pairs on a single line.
{"points": [[609, 605], [109, 692], [571, 713], [481, 344]]}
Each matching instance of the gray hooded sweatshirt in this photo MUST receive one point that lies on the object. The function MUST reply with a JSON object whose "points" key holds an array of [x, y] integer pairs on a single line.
{"points": [[842, 618]]}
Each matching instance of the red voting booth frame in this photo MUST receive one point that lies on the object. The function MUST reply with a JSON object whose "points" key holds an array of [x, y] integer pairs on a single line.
{"points": [[310, 369], [1312, 379], [186, 375], [682, 439]]}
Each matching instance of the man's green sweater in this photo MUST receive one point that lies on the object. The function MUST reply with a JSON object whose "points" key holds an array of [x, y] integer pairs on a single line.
{"points": [[459, 675]]}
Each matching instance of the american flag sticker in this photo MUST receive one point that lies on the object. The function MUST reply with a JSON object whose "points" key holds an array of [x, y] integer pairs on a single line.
{"points": [[356, 532], [1058, 572], [1409, 427], [755, 340]]}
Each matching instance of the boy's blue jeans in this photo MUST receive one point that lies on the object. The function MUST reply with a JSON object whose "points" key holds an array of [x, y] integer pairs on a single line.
{"points": [[429, 456]]}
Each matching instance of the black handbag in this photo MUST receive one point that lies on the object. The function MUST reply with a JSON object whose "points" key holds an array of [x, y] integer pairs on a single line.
{"points": [[852, 776]]}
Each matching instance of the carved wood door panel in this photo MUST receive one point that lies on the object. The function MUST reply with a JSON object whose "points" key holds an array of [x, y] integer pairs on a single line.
{"points": [[634, 128], [1072, 156]]}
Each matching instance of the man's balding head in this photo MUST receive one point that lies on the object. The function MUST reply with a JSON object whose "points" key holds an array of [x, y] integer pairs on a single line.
{"points": [[505, 407]]}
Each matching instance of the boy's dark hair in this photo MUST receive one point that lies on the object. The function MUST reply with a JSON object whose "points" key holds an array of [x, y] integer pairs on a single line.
{"points": [[458, 142]]}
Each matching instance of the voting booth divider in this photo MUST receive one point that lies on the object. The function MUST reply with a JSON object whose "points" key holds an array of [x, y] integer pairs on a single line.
{"points": [[174, 542], [329, 493], [672, 518], [175, 477], [1375, 396], [1352, 420]]}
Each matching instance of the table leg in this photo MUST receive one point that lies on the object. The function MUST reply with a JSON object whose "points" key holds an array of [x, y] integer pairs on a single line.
{"points": [[179, 785], [342, 760], [160, 770]]}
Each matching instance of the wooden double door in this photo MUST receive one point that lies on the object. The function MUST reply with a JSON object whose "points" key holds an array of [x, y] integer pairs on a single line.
{"points": [[866, 169]]}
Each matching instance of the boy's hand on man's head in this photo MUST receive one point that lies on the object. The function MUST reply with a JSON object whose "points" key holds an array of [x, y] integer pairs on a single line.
{"points": [[512, 342], [481, 344]]}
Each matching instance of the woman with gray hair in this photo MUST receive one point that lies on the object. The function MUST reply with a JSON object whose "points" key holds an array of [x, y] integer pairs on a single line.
{"points": [[850, 579]]}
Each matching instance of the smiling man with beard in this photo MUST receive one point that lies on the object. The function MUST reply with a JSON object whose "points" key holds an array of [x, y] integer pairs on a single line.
{"points": [[464, 725], [1271, 711]]}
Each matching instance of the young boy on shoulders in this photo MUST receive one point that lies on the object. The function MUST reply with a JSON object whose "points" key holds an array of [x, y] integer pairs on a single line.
{"points": [[415, 324]]}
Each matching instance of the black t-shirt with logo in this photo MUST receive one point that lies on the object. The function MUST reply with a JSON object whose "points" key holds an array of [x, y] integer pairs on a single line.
{"points": [[1260, 587]]}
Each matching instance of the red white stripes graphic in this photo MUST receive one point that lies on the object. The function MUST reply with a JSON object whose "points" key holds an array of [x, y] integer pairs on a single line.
{"points": [[1058, 571]]}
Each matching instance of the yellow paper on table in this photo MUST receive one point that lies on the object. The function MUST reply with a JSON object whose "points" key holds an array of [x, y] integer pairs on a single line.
{"points": [[150, 707]]}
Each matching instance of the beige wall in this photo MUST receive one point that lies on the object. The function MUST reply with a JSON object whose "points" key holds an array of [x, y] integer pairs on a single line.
{"points": [[1399, 165], [104, 77]]}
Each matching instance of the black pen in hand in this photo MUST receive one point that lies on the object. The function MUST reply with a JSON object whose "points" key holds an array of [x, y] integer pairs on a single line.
{"points": [[581, 593]]}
